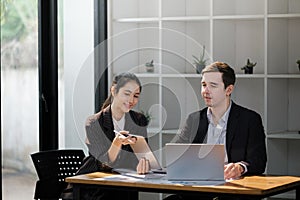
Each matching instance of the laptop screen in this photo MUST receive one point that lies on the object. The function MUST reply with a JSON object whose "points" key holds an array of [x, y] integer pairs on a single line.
{"points": [[195, 161]]}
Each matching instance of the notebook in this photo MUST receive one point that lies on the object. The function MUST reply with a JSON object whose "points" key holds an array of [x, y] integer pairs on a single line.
{"points": [[195, 161]]}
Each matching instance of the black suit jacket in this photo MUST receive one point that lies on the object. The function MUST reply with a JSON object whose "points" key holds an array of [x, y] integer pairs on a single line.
{"points": [[245, 136], [100, 134]]}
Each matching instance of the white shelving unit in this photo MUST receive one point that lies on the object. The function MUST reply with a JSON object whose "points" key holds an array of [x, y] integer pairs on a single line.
{"points": [[171, 31]]}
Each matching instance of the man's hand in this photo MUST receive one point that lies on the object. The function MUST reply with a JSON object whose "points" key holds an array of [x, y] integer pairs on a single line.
{"points": [[233, 171]]}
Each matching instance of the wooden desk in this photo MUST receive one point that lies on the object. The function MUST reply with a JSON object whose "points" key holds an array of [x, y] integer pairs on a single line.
{"points": [[251, 186]]}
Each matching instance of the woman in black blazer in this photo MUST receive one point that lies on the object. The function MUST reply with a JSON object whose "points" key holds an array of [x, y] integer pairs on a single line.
{"points": [[108, 138]]}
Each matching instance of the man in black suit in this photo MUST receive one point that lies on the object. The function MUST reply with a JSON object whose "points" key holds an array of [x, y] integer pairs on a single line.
{"points": [[224, 122]]}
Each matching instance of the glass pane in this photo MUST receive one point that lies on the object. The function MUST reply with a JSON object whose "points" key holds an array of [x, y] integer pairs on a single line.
{"points": [[19, 96]]}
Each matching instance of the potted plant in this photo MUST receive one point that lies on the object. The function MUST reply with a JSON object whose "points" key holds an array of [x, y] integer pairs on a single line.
{"points": [[298, 62], [147, 115], [149, 66], [200, 62], [249, 67]]}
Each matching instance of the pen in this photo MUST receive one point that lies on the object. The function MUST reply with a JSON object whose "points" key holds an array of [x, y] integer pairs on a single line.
{"points": [[123, 136]]}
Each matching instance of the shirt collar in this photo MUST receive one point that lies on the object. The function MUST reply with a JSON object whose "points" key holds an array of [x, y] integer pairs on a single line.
{"points": [[223, 119]]}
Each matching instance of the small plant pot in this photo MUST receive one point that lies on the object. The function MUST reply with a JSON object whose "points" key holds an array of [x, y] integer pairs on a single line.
{"points": [[199, 68], [150, 69], [248, 70]]}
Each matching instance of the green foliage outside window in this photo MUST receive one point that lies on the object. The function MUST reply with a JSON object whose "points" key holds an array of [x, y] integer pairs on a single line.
{"points": [[17, 18], [18, 33]]}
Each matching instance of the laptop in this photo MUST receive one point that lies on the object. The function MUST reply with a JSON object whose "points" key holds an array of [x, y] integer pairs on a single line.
{"points": [[195, 162]]}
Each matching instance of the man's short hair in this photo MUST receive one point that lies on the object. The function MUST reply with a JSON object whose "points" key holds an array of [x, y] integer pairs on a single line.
{"points": [[228, 75]]}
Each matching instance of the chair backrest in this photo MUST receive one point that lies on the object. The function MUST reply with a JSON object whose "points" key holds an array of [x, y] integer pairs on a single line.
{"points": [[57, 164]]}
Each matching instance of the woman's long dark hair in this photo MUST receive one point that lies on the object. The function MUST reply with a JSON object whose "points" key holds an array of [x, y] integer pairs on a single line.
{"points": [[119, 81]]}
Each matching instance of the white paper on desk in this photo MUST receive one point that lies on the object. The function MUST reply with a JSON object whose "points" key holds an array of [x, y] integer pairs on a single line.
{"points": [[157, 179], [132, 173], [208, 183], [145, 176], [118, 177]]}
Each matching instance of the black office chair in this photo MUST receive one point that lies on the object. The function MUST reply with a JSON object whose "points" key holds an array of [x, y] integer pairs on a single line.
{"points": [[52, 168]]}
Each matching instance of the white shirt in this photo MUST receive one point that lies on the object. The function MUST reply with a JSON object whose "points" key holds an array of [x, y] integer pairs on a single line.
{"points": [[216, 134], [119, 125]]}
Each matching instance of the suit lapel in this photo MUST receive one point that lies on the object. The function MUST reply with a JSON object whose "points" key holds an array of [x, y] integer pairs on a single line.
{"points": [[107, 123], [203, 126], [232, 123]]}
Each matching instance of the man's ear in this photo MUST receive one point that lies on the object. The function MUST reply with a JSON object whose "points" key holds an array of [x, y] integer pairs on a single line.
{"points": [[229, 90]]}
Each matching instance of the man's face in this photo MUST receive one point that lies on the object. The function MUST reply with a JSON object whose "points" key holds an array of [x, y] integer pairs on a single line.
{"points": [[213, 91]]}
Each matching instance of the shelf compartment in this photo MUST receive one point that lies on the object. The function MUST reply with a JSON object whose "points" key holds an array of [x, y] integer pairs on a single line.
{"points": [[282, 157], [284, 52], [132, 56], [190, 38], [185, 8], [134, 8], [149, 102], [283, 6], [244, 91], [184, 93], [283, 105], [231, 34], [238, 7]]}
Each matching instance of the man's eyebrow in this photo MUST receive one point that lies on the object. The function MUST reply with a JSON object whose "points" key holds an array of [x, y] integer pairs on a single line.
{"points": [[212, 83]]}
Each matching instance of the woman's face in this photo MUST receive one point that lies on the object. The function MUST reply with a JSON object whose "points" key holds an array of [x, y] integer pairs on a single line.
{"points": [[127, 96]]}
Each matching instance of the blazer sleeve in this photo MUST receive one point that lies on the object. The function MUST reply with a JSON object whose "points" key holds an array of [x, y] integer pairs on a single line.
{"points": [[245, 141], [97, 142], [256, 150]]}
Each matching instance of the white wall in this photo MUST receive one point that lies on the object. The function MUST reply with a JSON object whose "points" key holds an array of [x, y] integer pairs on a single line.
{"points": [[78, 38]]}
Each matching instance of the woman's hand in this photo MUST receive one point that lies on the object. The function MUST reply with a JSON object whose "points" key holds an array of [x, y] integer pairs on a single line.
{"points": [[233, 171], [123, 138], [143, 167]]}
